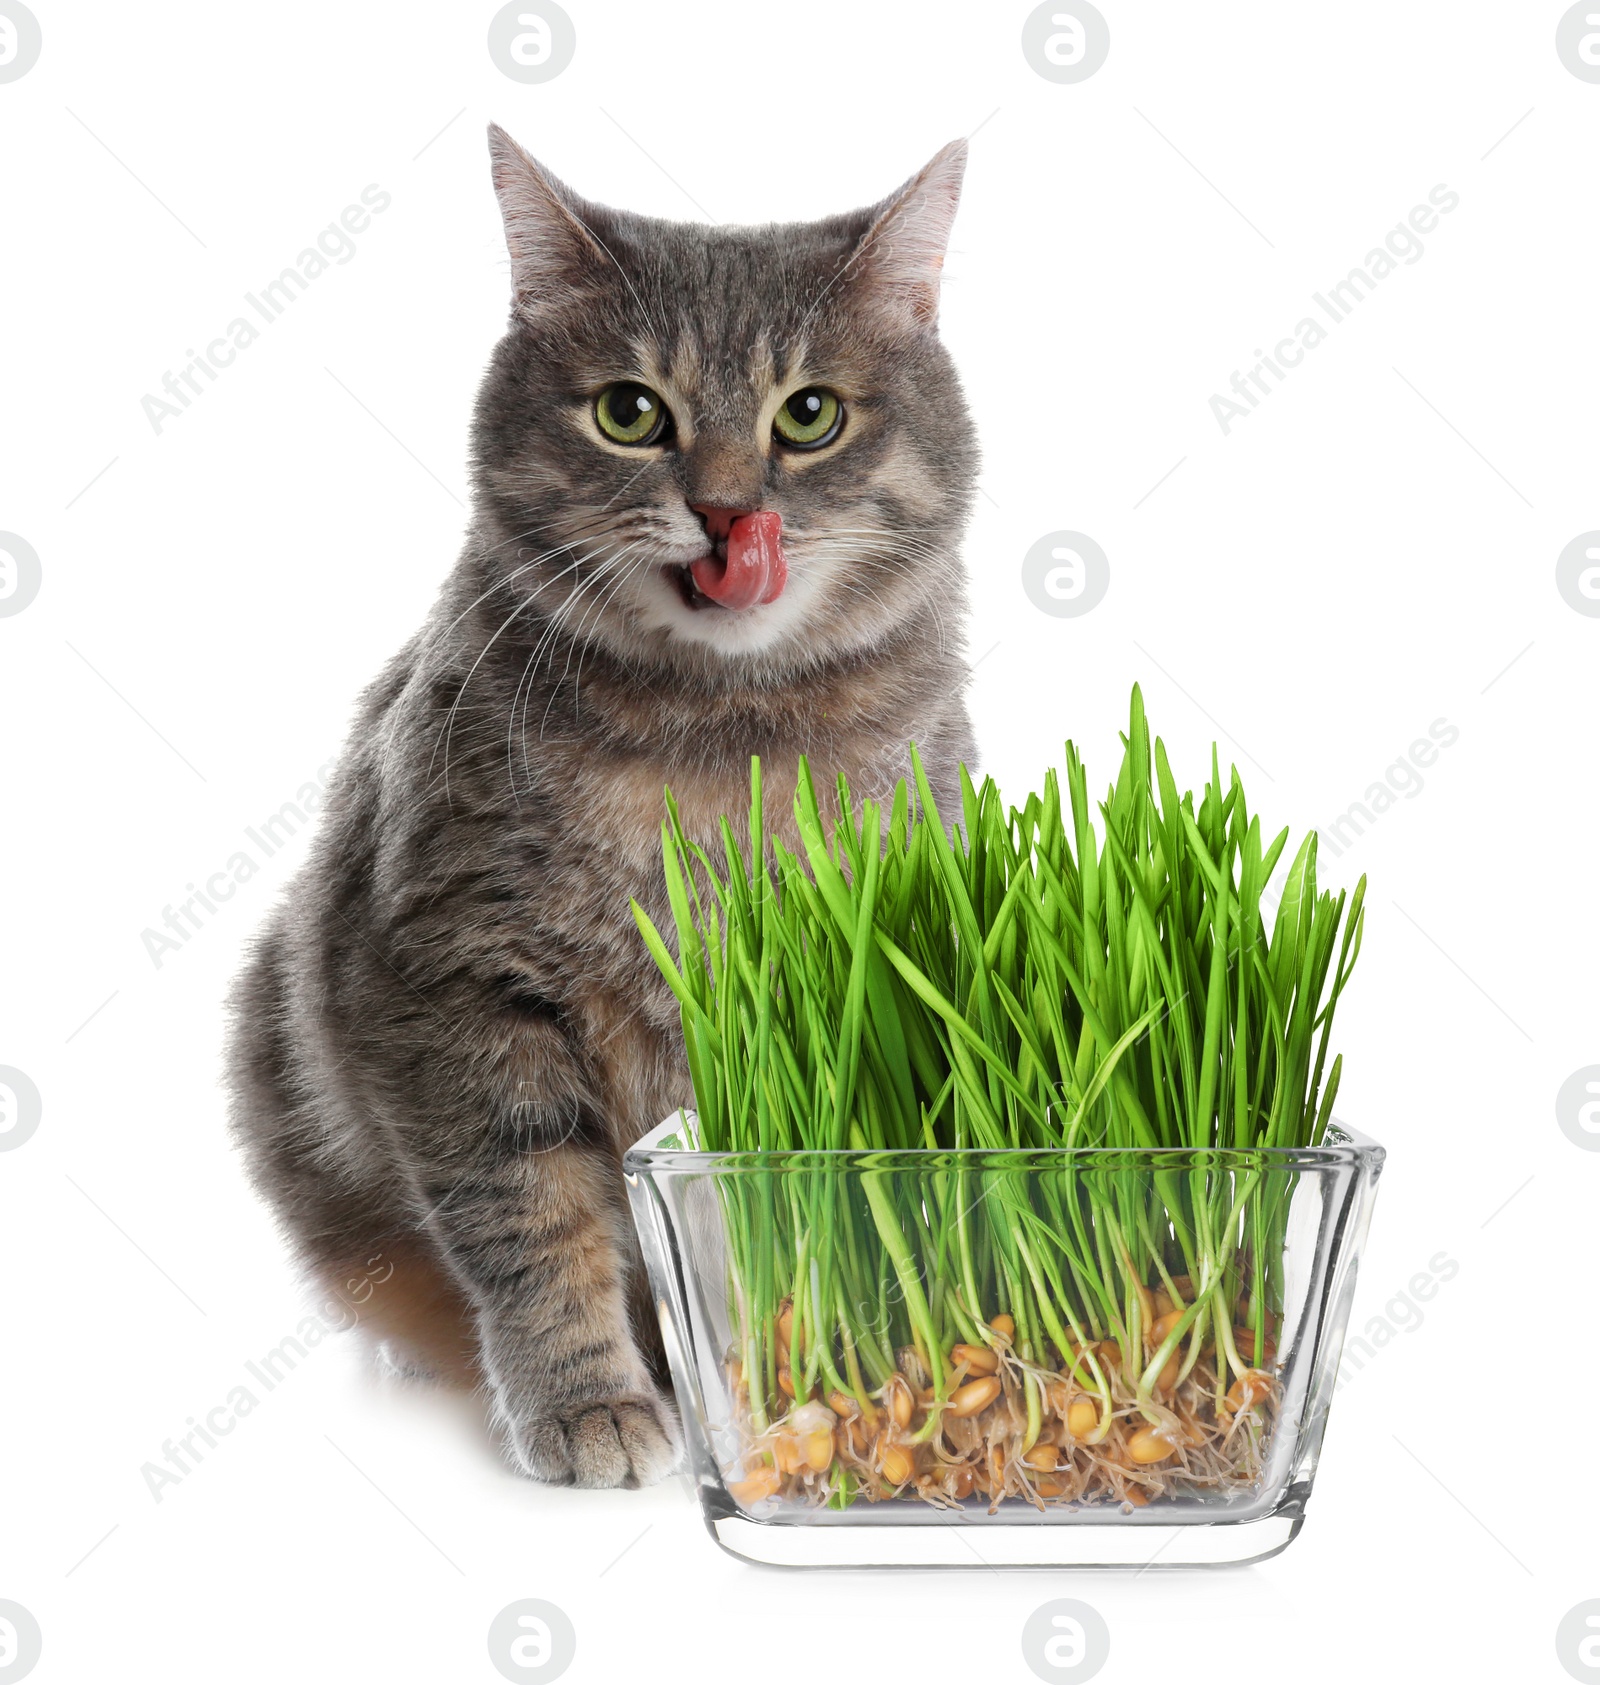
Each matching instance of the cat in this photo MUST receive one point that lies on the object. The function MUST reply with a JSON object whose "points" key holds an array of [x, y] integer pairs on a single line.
{"points": [[720, 476]]}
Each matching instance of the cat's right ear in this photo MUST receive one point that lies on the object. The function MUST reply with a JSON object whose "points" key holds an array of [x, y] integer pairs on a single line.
{"points": [[552, 250], [897, 261]]}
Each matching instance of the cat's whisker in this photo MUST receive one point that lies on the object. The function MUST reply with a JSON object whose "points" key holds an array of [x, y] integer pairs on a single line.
{"points": [[633, 568], [576, 526], [521, 608], [502, 584], [625, 484], [567, 611], [865, 589], [562, 612], [598, 606], [608, 565], [570, 603]]}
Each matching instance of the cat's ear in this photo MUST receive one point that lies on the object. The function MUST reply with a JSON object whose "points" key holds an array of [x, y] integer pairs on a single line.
{"points": [[552, 250], [897, 260]]}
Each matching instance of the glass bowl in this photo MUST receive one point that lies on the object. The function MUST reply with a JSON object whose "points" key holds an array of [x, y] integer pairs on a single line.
{"points": [[1119, 1438]]}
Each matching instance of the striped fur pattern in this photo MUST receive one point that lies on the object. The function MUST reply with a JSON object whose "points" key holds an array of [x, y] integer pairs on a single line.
{"points": [[449, 1030]]}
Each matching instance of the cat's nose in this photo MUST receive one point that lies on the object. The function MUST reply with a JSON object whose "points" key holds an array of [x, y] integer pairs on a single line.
{"points": [[718, 521]]}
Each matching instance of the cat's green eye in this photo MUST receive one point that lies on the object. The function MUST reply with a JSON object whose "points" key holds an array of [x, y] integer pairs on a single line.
{"points": [[630, 414], [810, 418]]}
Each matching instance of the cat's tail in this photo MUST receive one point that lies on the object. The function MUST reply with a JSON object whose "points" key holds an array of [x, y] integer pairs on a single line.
{"points": [[410, 1310]]}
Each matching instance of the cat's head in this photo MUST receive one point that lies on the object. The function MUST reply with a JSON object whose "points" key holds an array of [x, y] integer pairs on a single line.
{"points": [[724, 448]]}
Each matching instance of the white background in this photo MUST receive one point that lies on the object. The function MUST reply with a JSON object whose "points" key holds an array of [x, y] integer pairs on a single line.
{"points": [[1338, 572]]}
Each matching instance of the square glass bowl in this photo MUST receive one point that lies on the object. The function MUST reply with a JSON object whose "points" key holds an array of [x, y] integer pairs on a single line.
{"points": [[1032, 1446]]}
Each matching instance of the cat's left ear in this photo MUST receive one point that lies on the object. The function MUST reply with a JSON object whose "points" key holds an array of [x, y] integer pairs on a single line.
{"points": [[552, 249], [897, 261]]}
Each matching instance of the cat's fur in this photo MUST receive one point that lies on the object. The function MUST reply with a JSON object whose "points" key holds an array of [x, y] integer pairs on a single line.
{"points": [[450, 1029]]}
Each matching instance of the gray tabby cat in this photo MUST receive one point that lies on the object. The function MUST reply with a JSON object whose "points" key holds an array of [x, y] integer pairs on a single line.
{"points": [[719, 479]]}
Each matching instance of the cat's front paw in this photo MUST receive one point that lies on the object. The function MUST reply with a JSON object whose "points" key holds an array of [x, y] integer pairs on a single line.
{"points": [[628, 1441]]}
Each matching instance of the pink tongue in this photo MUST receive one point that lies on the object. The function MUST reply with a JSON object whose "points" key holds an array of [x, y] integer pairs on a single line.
{"points": [[755, 571]]}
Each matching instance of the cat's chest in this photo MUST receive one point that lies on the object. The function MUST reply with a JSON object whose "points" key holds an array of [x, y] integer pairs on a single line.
{"points": [[628, 800], [625, 801]]}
